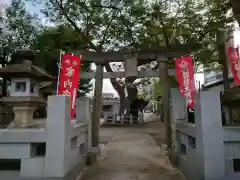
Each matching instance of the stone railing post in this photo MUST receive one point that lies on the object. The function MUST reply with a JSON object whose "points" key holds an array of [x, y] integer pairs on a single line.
{"points": [[131, 119], [84, 115], [209, 135], [105, 118], [141, 118], [83, 110], [178, 105], [178, 112], [58, 136]]}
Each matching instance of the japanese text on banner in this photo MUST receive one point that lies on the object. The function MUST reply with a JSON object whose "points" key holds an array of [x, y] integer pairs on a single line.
{"points": [[185, 76], [69, 77], [234, 58]]}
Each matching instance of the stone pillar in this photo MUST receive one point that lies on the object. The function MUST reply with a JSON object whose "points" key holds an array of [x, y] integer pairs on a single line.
{"points": [[84, 115], [178, 111], [163, 68], [131, 119], [23, 115], [209, 135], [141, 118], [97, 109], [130, 65], [178, 105], [83, 111], [58, 137]]}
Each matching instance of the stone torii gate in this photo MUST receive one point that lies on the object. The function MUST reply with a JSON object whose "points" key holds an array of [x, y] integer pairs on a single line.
{"points": [[132, 59]]}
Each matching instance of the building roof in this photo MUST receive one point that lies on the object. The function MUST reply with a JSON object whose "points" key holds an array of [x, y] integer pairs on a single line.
{"points": [[217, 82], [26, 69]]}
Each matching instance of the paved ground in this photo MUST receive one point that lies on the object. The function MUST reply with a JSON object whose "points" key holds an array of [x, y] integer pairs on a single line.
{"points": [[134, 153]]}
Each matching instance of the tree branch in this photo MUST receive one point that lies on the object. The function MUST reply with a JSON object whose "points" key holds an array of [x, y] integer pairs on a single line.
{"points": [[164, 32], [106, 30], [65, 14], [130, 33], [117, 86], [205, 31], [106, 7]]}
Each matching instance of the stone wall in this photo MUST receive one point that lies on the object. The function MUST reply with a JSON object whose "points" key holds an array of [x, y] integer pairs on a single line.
{"points": [[64, 144], [205, 149]]}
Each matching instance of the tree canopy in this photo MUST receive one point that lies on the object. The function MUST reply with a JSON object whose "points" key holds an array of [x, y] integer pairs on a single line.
{"points": [[235, 4], [108, 24], [18, 30], [23, 31], [117, 24], [50, 42]]}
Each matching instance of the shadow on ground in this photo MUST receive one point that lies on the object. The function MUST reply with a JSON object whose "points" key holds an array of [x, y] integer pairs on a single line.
{"points": [[134, 153]]}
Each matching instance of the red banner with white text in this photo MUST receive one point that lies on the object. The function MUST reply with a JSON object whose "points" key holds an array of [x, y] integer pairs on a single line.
{"points": [[185, 76], [68, 78], [234, 58]]}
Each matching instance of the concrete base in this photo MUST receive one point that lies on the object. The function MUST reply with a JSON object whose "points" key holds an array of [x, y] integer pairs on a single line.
{"points": [[74, 174], [173, 157], [91, 159], [23, 116], [54, 150]]}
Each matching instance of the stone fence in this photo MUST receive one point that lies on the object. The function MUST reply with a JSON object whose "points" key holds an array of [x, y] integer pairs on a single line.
{"points": [[55, 148], [113, 118], [205, 149]]}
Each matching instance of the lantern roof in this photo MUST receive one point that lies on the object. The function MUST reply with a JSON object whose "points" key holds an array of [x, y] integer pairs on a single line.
{"points": [[26, 70]]}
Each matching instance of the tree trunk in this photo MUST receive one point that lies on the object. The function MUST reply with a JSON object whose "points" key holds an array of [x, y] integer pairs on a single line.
{"points": [[236, 9], [122, 104], [132, 96], [119, 88], [132, 93], [126, 102]]}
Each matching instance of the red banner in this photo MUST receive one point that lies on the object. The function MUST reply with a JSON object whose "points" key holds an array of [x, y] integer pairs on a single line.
{"points": [[233, 54], [68, 78], [185, 76]]}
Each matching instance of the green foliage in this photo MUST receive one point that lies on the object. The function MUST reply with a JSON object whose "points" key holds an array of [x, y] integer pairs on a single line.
{"points": [[235, 4], [49, 44], [187, 21], [22, 30], [108, 25], [18, 31], [157, 88], [140, 24]]}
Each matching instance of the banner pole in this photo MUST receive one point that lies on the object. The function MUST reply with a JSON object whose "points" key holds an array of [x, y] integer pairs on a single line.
{"points": [[194, 65], [59, 69]]}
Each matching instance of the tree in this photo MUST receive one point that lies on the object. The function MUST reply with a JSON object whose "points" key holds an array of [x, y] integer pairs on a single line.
{"points": [[18, 31], [235, 4], [189, 21], [117, 24], [103, 25], [50, 42], [157, 89]]}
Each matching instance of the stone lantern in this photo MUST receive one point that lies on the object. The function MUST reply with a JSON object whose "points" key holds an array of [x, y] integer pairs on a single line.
{"points": [[24, 91]]}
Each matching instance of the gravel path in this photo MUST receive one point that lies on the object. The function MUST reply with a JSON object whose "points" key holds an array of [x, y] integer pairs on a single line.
{"points": [[134, 153]]}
